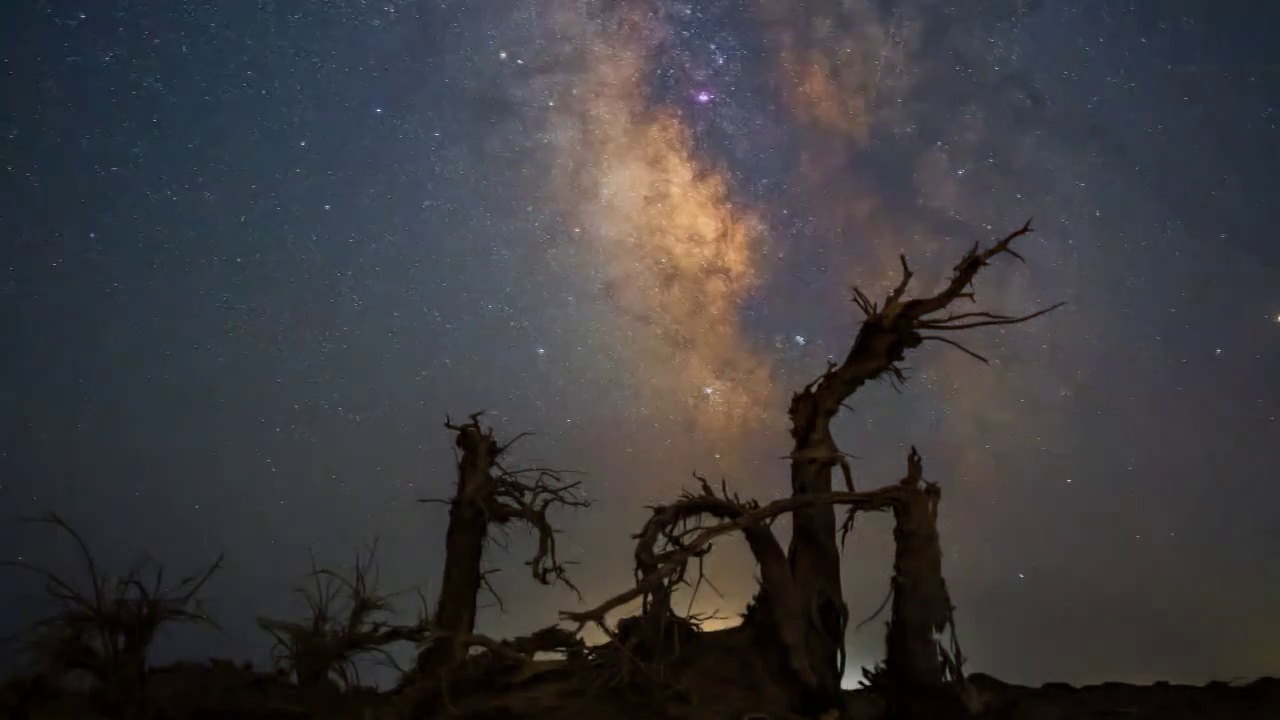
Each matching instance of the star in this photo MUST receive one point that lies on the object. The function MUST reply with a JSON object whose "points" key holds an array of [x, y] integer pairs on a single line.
{"points": [[605, 218]]}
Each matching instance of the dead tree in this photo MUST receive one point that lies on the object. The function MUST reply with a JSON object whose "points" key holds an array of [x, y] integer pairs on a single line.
{"points": [[488, 494], [683, 536], [918, 667], [106, 630], [672, 539], [348, 619], [922, 607], [880, 346], [801, 595]]}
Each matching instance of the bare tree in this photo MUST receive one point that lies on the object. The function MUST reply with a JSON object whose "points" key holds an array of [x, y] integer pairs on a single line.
{"points": [[489, 493], [801, 594], [798, 618], [921, 608], [799, 609], [349, 618], [106, 630], [880, 346]]}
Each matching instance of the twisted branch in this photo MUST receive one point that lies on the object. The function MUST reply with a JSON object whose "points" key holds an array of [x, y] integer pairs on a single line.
{"points": [[742, 520], [888, 331]]}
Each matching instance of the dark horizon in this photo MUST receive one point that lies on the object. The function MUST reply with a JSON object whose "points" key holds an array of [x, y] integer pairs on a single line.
{"points": [[254, 255]]}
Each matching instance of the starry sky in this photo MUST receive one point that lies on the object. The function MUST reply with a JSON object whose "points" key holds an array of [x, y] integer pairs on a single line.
{"points": [[254, 252]]}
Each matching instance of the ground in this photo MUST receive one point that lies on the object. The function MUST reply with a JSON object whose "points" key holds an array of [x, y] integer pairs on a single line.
{"points": [[221, 689]]}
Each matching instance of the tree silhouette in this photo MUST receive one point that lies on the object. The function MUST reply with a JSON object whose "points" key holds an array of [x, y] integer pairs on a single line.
{"points": [[798, 616], [105, 631], [349, 618], [490, 494], [786, 658]]}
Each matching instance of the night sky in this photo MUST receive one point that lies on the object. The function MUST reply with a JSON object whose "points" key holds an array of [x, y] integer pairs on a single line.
{"points": [[253, 253]]}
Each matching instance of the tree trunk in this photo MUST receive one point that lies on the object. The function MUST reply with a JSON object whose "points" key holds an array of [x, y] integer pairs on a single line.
{"points": [[880, 346], [814, 558], [814, 555], [921, 607], [455, 615], [313, 666], [920, 603], [786, 613]]}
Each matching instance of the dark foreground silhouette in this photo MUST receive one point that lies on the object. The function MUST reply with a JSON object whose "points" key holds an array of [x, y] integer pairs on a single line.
{"points": [[88, 655], [222, 689]]}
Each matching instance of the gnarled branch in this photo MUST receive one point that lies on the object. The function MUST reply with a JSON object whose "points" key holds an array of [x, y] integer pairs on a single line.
{"points": [[656, 570], [888, 331]]}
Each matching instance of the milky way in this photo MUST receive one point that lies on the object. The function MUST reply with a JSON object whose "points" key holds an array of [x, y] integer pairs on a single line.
{"points": [[256, 251]]}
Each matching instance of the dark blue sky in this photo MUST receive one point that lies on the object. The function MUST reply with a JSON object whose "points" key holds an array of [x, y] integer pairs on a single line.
{"points": [[253, 253]]}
